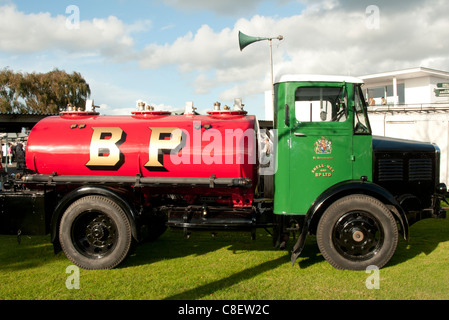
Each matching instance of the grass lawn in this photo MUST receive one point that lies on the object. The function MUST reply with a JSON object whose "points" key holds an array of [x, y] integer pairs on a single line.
{"points": [[228, 267]]}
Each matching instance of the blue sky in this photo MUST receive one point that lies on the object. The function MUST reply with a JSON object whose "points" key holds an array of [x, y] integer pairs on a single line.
{"points": [[168, 52]]}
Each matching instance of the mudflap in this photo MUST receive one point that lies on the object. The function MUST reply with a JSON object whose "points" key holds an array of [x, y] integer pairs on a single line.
{"points": [[23, 213], [299, 245]]}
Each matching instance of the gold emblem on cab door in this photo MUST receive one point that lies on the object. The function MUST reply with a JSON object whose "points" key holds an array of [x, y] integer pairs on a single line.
{"points": [[323, 170], [323, 146]]}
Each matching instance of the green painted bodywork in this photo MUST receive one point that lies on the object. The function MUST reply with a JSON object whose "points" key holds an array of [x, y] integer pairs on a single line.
{"points": [[304, 171]]}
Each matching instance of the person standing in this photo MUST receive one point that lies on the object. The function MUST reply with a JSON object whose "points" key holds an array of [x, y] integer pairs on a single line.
{"points": [[4, 152], [20, 157], [10, 153]]}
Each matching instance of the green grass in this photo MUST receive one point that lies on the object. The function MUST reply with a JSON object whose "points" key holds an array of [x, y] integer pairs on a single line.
{"points": [[228, 267]]}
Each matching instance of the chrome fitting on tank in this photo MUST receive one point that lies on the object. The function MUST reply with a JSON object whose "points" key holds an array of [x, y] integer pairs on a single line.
{"points": [[189, 109], [238, 105]]}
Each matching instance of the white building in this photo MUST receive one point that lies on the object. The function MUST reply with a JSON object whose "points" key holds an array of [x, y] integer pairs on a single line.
{"points": [[413, 110], [411, 87]]}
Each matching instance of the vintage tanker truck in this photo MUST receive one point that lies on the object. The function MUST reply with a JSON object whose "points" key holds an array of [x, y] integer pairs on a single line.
{"points": [[98, 184]]}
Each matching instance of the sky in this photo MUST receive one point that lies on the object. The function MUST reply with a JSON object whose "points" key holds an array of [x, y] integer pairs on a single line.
{"points": [[168, 52]]}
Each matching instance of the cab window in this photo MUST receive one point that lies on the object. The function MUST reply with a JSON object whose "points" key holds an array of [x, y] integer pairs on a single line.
{"points": [[361, 123], [320, 104]]}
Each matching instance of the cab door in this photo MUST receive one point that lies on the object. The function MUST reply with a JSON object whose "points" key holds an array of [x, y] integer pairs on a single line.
{"points": [[321, 141]]}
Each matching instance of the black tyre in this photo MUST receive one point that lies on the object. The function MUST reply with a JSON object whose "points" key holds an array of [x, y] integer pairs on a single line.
{"points": [[95, 233], [357, 231]]}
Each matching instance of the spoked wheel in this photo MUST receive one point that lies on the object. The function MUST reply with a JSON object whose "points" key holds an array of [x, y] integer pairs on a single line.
{"points": [[95, 233], [357, 231]]}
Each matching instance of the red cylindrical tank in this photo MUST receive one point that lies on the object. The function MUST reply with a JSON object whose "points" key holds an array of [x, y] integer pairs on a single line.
{"points": [[149, 144]]}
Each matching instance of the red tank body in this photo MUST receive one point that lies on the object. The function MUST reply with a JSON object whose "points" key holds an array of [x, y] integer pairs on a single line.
{"points": [[149, 145]]}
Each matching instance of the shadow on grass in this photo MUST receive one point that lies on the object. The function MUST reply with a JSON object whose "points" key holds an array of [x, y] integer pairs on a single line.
{"points": [[310, 255], [173, 245], [31, 252], [36, 251], [424, 237], [210, 288]]}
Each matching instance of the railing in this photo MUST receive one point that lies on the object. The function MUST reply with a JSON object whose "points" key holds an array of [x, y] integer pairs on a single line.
{"points": [[404, 108]]}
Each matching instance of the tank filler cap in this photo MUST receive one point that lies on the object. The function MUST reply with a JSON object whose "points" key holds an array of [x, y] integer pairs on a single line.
{"points": [[145, 109], [238, 105], [89, 110], [190, 109], [237, 110]]}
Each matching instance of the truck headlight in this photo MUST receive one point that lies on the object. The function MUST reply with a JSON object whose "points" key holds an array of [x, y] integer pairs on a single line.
{"points": [[441, 188]]}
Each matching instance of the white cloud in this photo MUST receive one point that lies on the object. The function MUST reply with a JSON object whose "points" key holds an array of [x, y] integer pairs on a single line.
{"points": [[200, 52], [214, 55], [30, 33], [329, 37], [114, 99]]}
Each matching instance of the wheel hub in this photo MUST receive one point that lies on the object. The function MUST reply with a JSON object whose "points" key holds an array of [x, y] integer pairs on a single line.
{"points": [[98, 232], [95, 234], [357, 236]]}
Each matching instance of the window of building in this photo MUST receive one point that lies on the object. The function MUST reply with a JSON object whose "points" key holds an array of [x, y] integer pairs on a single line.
{"points": [[387, 91]]}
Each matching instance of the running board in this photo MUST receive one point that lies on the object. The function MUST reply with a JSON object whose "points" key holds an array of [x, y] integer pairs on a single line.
{"points": [[139, 181]]}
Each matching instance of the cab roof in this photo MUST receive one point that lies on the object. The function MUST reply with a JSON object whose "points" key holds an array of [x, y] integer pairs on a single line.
{"points": [[316, 78]]}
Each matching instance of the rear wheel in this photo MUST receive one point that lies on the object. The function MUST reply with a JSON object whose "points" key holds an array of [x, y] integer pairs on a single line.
{"points": [[357, 231], [95, 233]]}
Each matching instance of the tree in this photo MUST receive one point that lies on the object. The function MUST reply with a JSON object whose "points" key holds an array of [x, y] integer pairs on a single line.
{"points": [[10, 91], [41, 92]]}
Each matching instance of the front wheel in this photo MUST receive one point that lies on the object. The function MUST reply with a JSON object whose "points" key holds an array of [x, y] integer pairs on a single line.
{"points": [[357, 231], [95, 233]]}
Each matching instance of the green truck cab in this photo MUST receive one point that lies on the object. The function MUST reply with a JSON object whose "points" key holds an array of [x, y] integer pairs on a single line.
{"points": [[334, 179]]}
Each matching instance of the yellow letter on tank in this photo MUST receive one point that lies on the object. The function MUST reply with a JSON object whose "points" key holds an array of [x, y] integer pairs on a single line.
{"points": [[162, 141], [105, 153]]}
